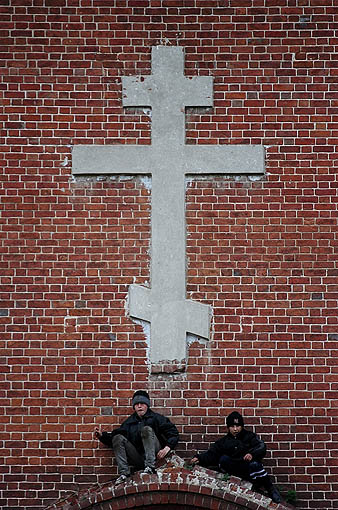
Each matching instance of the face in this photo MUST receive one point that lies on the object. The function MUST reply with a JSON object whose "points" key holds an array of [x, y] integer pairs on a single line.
{"points": [[140, 409], [235, 429]]}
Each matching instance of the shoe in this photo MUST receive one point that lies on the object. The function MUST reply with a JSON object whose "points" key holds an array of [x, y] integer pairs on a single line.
{"points": [[121, 479], [148, 471], [274, 495]]}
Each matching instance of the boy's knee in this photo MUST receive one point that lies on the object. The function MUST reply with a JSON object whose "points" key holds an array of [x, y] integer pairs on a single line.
{"points": [[255, 466], [147, 432], [118, 440]]}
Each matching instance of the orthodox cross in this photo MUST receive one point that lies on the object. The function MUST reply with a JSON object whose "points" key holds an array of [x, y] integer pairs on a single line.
{"points": [[168, 160]]}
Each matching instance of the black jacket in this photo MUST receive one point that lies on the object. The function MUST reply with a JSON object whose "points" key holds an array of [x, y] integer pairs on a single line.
{"points": [[234, 447], [165, 431]]}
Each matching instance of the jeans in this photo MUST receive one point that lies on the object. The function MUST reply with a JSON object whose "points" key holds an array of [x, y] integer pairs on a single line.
{"points": [[127, 456]]}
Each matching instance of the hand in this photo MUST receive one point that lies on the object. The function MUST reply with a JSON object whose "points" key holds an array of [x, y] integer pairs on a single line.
{"points": [[194, 460], [162, 453], [97, 433], [248, 457]]}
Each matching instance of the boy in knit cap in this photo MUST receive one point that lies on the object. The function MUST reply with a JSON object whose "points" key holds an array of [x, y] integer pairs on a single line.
{"points": [[239, 453], [141, 438]]}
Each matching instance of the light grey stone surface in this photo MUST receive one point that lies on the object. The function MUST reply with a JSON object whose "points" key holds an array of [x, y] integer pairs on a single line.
{"points": [[168, 160]]}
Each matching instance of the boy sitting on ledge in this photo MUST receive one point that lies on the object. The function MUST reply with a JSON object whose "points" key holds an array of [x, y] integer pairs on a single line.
{"points": [[239, 453]]}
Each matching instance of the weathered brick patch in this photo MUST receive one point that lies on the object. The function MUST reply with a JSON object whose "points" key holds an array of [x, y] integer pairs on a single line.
{"points": [[173, 486]]}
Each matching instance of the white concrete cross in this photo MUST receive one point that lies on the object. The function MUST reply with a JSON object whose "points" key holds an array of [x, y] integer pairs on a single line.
{"points": [[168, 159]]}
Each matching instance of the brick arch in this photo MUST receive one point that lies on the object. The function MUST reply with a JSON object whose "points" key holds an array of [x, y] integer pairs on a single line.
{"points": [[173, 487]]}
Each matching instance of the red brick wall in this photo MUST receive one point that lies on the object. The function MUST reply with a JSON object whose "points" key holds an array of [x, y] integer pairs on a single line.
{"points": [[262, 252]]}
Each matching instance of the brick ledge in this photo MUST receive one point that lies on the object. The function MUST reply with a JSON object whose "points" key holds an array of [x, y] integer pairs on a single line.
{"points": [[174, 486]]}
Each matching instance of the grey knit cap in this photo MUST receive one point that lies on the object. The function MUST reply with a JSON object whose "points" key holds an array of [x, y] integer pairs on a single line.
{"points": [[140, 397]]}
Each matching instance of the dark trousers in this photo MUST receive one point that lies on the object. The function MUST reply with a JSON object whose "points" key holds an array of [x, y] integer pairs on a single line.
{"points": [[127, 456], [253, 471]]}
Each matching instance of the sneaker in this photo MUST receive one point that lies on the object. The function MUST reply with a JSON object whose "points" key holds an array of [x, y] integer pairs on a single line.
{"points": [[274, 495], [121, 479], [148, 471]]}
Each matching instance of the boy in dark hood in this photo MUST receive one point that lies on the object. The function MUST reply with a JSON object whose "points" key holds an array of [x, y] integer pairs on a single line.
{"points": [[141, 438], [239, 453]]}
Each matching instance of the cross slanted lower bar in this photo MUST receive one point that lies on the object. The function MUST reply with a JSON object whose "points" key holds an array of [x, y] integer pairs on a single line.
{"points": [[168, 160]]}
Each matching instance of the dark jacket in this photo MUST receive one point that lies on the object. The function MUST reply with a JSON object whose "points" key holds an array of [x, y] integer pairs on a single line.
{"points": [[234, 447], [165, 431]]}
